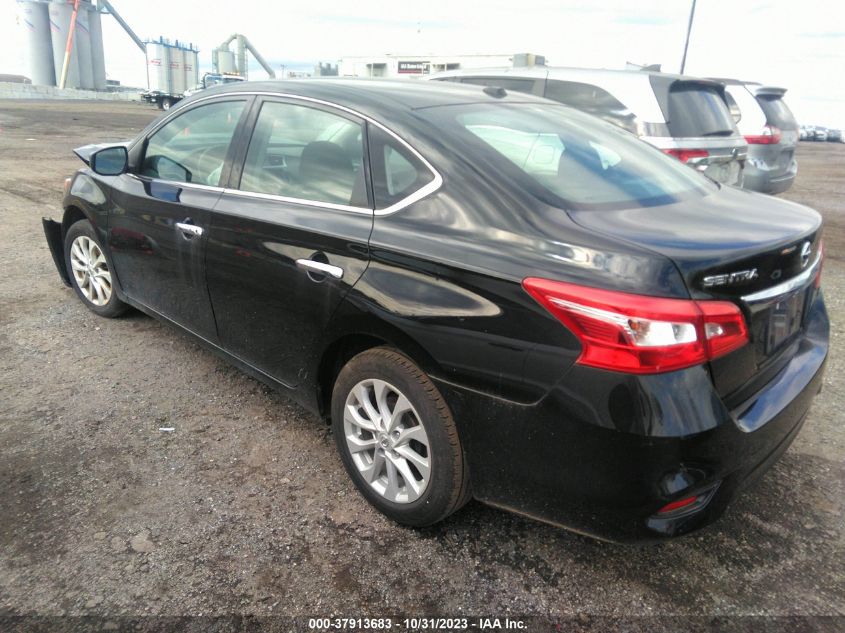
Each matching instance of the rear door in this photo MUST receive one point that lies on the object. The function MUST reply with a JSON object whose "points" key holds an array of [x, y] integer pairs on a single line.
{"points": [[288, 238], [702, 131], [779, 115], [159, 215]]}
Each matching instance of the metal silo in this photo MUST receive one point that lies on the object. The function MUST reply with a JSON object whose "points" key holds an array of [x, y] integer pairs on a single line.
{"points": [[82, 44], [158, 66], [60, 14], [98, 56], [190, 66], [177, 71], [34, 19], [225, 61]]}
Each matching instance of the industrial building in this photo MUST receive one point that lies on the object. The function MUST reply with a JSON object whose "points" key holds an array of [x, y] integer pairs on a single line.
{"points": [[391, 65], [46, 24], [64, 44], [171, 68]]}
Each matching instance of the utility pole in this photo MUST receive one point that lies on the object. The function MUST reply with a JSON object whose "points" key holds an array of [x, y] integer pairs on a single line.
{"points": [[69, 47], [686, 43]]}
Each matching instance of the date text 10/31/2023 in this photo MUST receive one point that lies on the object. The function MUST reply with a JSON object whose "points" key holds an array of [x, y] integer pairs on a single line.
{"points": [[416, 624]]}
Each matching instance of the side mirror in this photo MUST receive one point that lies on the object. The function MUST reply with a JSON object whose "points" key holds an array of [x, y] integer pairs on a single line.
{"points": [[111, 161]]}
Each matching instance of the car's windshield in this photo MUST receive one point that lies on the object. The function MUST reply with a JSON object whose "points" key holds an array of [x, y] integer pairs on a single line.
{"points": [[568, 158]]}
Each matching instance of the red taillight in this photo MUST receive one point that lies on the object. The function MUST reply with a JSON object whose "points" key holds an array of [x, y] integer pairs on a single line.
{"points": [[818, 280], [677, 505], [639, 334], [770, 136], [684, 155]]}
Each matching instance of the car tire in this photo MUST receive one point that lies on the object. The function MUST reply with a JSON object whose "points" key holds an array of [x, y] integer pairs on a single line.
{"points": [[383, 449], [90, 271], [166, 104]]}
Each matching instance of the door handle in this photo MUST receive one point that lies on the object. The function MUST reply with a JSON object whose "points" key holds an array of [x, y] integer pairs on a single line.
{"points": [[319, 267], [193, 229]]}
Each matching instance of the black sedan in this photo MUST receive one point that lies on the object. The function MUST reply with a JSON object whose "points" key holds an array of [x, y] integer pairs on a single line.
{"points": [[487, 294]]}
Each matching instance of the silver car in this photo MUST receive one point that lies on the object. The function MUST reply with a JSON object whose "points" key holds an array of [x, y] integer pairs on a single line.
{"points": [[684, 116], [771, 131]]}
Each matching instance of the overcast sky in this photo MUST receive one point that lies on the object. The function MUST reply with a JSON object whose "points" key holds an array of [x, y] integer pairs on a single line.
{"points": [[796, 44]]}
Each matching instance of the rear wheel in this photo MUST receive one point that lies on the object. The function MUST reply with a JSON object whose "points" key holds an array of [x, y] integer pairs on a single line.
{"points": [[90, 272], [397, 438], [166, 103]]}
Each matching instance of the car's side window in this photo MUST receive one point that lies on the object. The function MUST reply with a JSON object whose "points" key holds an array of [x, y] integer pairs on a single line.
{"points": [[593, 99], [397, 173], [306, 153], [192, 147]]}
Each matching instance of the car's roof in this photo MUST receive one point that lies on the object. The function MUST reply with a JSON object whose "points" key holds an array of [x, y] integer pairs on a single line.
{"points": [[734, 82], [565, 71], [633, 88], [754, 86], [374, 97]]}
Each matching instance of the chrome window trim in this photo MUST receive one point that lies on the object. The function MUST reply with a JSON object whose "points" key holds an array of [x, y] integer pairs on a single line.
{"points": [[785, 287], [179, 183], [420, 193], [305, 201]]}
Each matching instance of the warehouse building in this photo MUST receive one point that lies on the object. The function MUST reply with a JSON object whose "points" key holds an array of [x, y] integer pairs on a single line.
{"points": [[390, 65]]}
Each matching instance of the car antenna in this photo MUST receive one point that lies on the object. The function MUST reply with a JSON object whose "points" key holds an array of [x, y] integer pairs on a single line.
{"points": [[495, 91]]}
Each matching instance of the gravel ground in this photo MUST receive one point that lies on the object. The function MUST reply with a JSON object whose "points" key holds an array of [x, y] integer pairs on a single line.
{"points": [[245, 508]]}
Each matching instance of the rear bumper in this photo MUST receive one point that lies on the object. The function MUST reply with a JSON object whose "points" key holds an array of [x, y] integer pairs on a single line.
{"points": [[758, 177], [55, 240], [603, 452]]}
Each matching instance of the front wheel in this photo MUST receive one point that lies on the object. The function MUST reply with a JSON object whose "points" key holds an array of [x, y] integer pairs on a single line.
{"points": [[89, 269], [397, 438]]}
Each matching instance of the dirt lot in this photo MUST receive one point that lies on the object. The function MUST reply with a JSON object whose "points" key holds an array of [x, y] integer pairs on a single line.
{"points": [[245, 508]]}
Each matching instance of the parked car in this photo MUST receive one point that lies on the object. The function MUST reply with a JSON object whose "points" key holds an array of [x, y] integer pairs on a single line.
{"points": [[486, 293], [821, 134], [685, 117], [834, 136], [771, 131]]}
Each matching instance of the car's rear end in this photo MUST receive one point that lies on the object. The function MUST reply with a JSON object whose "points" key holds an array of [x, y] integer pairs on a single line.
{"points": [[703, 429], [698, 128], [655, 400], [771, 167]]}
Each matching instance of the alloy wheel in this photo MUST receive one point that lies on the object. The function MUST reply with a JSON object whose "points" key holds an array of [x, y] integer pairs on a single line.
{"points": [[90, 270], [387, 441]]}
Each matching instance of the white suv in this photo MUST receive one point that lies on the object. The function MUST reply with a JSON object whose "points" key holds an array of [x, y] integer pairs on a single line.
{"points": [[686, 117]]}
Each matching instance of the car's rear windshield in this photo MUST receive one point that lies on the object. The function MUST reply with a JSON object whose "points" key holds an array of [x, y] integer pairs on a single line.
{"points": [[777, 112], [697, 110], [567, 158]]}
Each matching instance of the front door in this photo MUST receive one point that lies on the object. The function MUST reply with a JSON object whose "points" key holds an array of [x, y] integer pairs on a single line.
{"points": [[157, 225], [289, 239]]}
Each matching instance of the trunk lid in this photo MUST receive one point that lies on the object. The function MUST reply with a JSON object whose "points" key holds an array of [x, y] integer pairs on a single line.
{"points": [[738, 246]]}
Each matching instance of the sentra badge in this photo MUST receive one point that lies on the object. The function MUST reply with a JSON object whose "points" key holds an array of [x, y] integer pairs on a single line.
{"points": [[730, 279]]}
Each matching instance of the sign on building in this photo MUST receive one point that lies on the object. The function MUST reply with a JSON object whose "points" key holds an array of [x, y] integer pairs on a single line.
{"points": [[412, 68]]}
